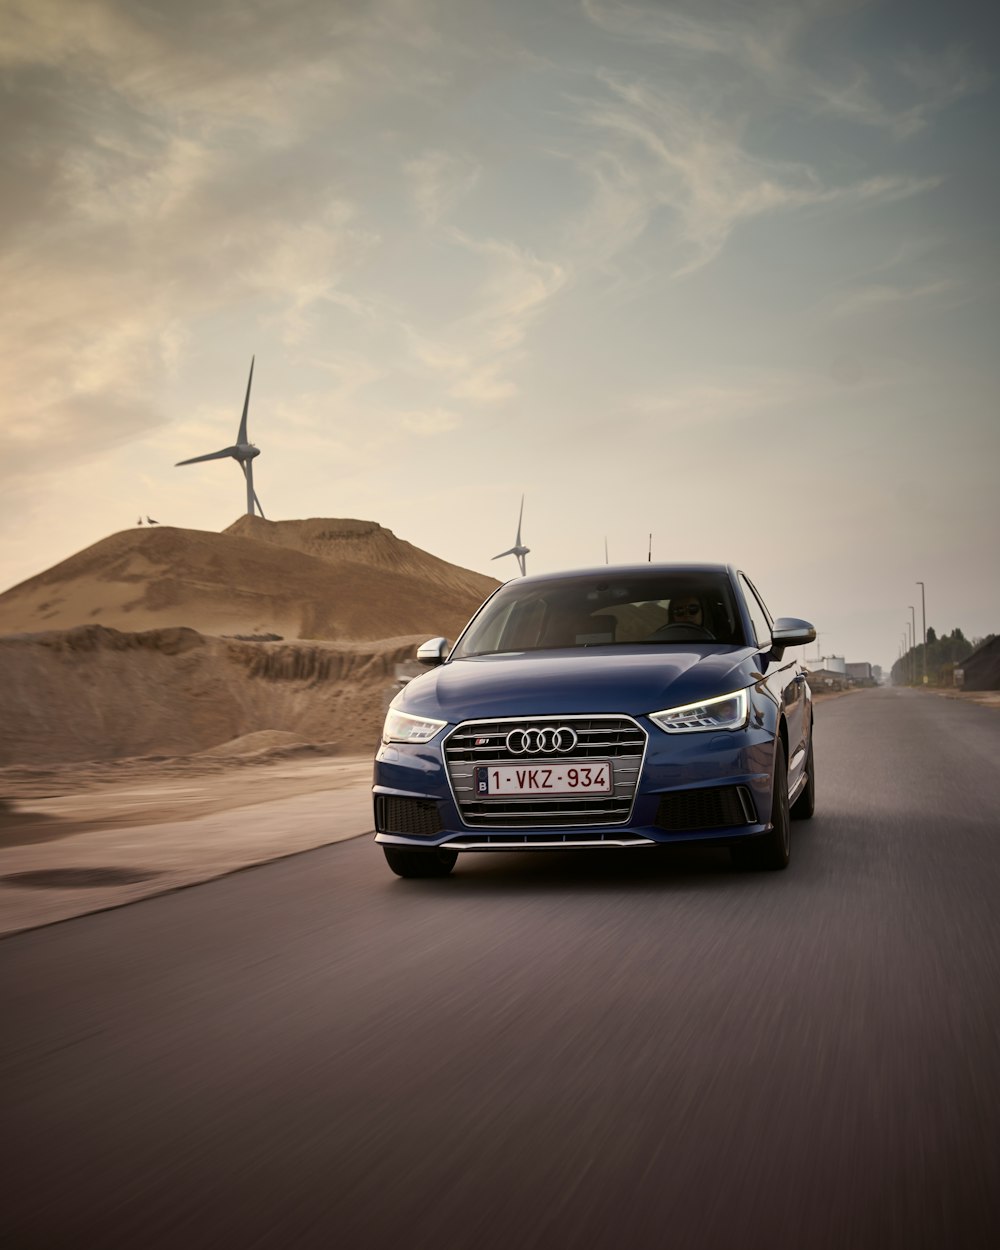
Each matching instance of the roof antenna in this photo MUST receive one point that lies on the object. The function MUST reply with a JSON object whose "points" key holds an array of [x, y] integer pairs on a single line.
{"points": [[649, 558]]}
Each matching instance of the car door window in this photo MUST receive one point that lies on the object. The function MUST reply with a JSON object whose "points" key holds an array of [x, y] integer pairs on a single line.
{"points": [[758, 613]]}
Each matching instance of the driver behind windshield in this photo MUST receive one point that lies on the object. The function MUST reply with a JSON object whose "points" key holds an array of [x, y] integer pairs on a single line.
{"points": [[687, 610]]}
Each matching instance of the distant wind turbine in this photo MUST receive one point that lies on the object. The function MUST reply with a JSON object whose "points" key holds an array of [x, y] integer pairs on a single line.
{"points": [[518, 549], [242, 452]]}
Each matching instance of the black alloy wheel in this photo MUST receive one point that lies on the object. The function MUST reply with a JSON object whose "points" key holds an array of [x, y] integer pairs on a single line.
{"points": [[430, 863]]}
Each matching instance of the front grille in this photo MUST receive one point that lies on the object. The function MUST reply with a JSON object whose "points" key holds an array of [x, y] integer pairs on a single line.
{"points": [[615, 738], [419, 818], [715, 807]]}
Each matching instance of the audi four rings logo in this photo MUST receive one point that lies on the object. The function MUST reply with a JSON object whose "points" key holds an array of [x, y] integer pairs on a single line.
{"points": [[541, 741]]}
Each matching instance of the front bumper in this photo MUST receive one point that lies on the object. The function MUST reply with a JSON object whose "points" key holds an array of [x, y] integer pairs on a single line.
{"points": [[700, 787]]}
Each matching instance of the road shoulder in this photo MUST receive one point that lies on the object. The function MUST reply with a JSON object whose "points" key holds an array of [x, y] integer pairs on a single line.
{"points": [[76, 841]]}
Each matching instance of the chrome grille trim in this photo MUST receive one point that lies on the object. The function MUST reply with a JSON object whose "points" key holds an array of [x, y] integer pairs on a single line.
{"points": [[614, 737]]}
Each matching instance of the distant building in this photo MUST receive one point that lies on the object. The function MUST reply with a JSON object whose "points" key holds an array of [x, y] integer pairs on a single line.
{"points": [[833, 663], [826, 678], [981, 669], [835, 673]]}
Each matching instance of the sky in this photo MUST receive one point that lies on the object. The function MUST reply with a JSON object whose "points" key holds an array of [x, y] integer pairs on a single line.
{"points": [[723, 272]]}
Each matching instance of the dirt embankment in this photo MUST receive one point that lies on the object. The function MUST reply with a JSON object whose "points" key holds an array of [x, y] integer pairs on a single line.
{"points": [[167, 642], [96, 693]]}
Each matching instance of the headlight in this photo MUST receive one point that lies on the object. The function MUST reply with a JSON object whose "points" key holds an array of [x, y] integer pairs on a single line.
{"points": [[399, 727], [729, 711]]}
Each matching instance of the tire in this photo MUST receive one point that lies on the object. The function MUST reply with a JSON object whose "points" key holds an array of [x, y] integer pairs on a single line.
{"points": [[805, 804], [771, 851], [430, 863]]}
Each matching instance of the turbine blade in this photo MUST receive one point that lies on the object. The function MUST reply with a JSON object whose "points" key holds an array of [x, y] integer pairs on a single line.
{"points": [[521, 564], [213, 455], [242, 436], [511, 552], [520, 515], [259, 508]]}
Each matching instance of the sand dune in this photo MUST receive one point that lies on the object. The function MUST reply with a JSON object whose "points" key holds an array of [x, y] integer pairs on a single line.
{"points": [[149, 643], [318, 579]]}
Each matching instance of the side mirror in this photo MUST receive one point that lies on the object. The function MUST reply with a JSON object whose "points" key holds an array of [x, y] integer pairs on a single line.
{"points": [[432, 652], [789, 631]]}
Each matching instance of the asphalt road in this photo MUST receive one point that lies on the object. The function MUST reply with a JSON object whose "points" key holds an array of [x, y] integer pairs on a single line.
{"points": [[627, 1049]]}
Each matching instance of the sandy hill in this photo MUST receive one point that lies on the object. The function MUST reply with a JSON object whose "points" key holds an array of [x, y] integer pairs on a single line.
{"points": [[342, 580], [96, 694], [140, 645]]}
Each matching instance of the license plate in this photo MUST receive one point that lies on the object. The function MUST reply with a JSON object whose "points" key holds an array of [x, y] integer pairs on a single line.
{"points": [[502, 781]]}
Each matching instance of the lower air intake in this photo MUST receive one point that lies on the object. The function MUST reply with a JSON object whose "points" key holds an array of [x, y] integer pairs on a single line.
{"points": [[418, 818], [716, 807]]}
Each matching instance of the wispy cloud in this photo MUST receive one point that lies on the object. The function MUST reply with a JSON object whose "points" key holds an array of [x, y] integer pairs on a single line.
{"points": [[438, 181], [696, 166], [761, 43], [942, 76], [705, 403], [430, 423], [516, 287], [879, 296], [485, 385], [507, 290]]}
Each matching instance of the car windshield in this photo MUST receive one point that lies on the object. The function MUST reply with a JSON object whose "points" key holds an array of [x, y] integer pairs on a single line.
{"points": [[655, 607]]}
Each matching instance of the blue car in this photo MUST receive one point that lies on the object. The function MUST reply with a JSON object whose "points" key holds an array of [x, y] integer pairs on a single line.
{"points": [[611, 707]]}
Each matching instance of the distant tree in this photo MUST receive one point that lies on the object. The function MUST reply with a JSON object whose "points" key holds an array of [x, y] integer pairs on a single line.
{"points": [[943, 653]]}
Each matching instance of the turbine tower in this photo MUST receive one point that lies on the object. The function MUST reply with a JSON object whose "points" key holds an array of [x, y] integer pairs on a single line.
{"points": [[242, 451], [518, 549]]}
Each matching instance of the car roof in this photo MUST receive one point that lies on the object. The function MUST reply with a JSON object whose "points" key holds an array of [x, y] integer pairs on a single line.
{"points": [[629, 570]]}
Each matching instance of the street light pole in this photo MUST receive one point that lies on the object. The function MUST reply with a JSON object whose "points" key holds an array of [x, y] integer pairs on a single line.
{"points": [[923, 613]]}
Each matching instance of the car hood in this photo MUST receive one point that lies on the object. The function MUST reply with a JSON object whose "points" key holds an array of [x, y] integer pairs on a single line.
{"points": [[633, 680]]}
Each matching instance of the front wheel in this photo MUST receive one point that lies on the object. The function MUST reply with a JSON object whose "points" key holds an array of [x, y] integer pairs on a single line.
{"points": [[772, 850], [805, 804], [430, 863]]}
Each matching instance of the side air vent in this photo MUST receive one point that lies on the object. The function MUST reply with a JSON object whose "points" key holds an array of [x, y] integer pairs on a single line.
{"points": [[419, 818], [715, 807]]}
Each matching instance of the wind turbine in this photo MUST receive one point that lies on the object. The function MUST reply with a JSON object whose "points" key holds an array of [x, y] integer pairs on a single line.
{"points": [[242, 451], [518, 549]]}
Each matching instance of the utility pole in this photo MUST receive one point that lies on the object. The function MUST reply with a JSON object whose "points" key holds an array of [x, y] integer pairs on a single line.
{"points": [[923, 613]]}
